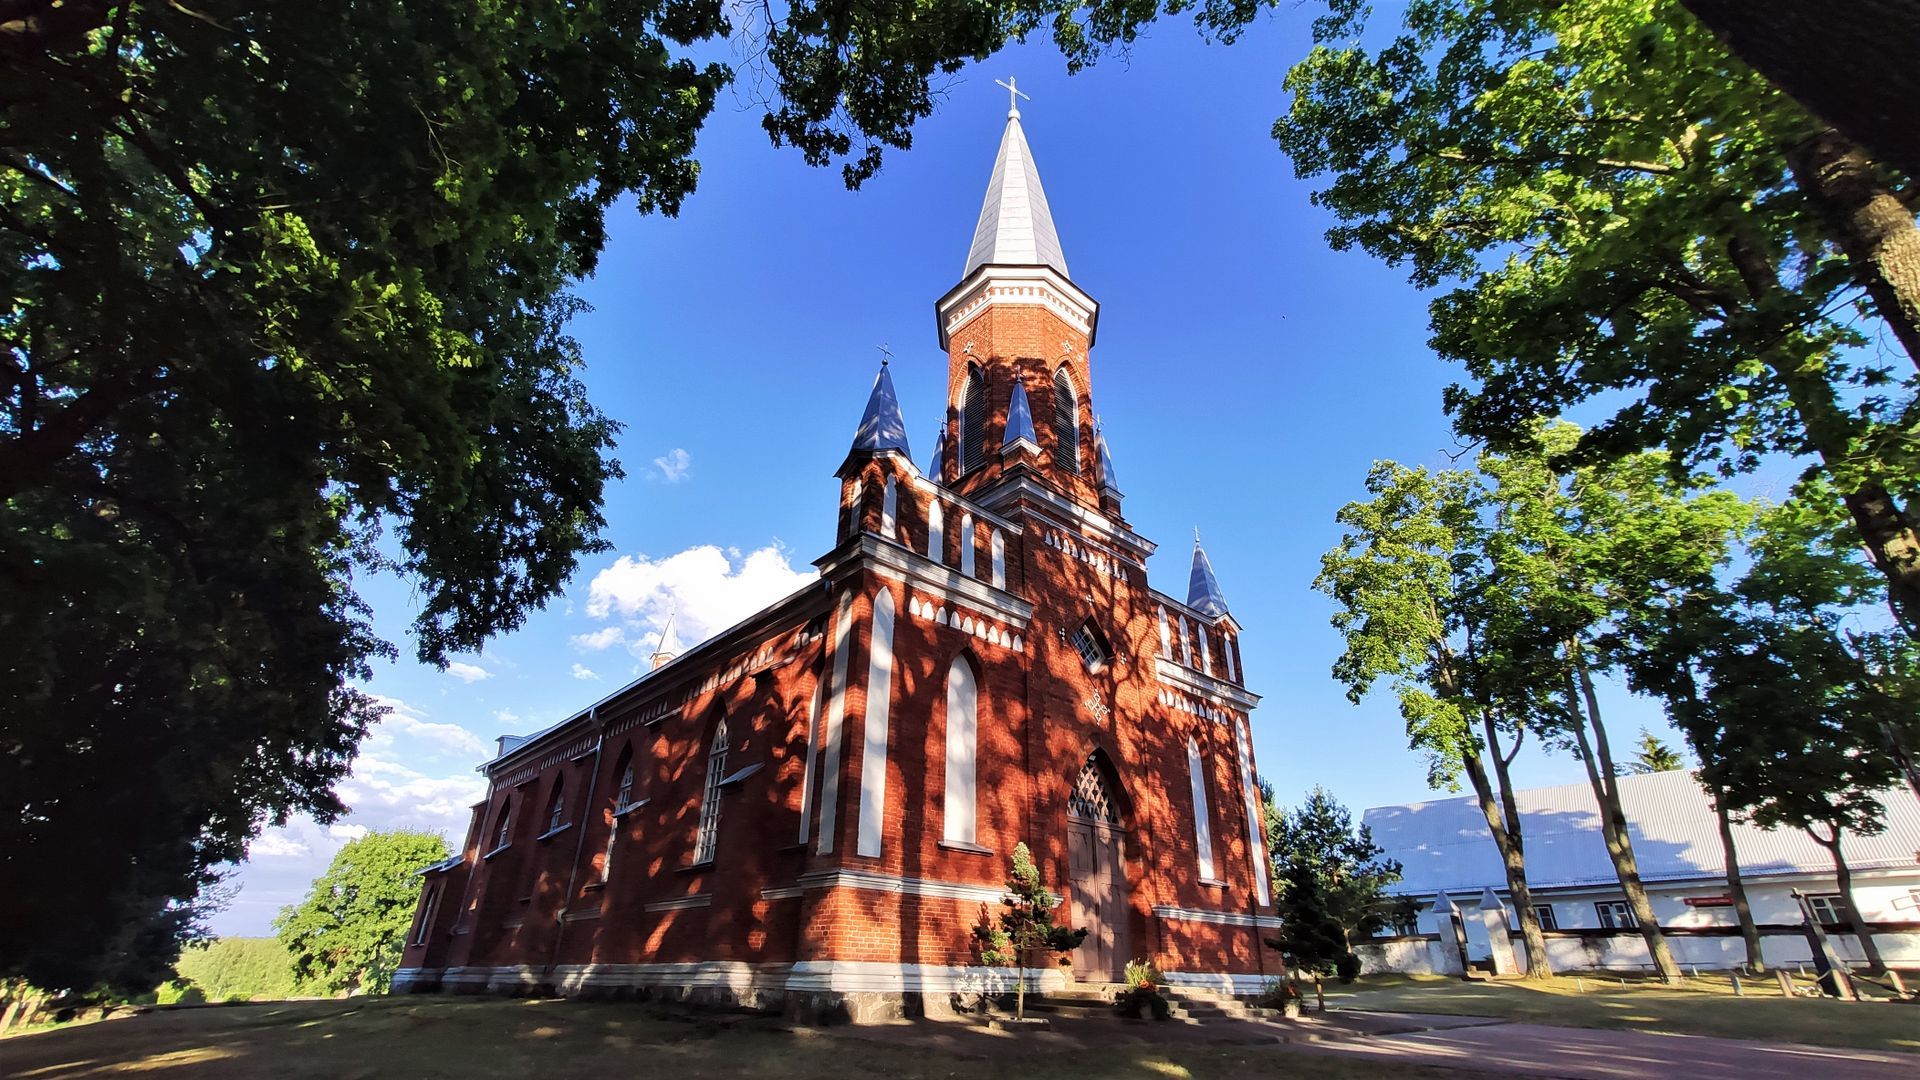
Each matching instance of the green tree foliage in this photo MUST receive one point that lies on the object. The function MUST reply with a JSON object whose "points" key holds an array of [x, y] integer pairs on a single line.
{"points": [[1794, 705], [1026, 926], [240, 969], [349, 932], [1653, 755], [1329, 872], [1630, 217]]}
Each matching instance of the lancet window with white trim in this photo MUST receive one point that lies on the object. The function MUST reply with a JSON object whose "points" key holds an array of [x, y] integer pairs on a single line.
{"points": [[1202, 825], [708, 839], [959, 821]]}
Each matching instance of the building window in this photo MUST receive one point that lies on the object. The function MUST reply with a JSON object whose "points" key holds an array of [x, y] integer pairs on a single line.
{"points": [[503, 830], [890, 510], [997, 547], [624, 797], [709, 836], [1548, 920], [966, 544], [426, 913], [1226, 652], [959, 818], [1206, 651], [1615, 915], [1093, 651], [936, 532], [557, 812], [1089, 800], [1202, 826], [1828, 909], [973, 420], [1186, 642], [1066, 422], [1166, 635]]}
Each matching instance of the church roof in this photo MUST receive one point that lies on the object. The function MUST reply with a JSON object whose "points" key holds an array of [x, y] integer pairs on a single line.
{"points": [[1016, 225], [1019, 417], [1108, 478], [936, 468], [881, 426], [1203, 592]]}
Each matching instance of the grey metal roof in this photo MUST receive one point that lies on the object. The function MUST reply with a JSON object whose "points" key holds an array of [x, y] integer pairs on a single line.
{"points": [[1445, 844], [936, 468], [1108, 477], [1019, 417], [1016, 225], [1203, 592], [881, 426]]}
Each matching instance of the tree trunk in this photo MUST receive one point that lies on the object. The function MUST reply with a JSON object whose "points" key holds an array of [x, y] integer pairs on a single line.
{"points": [[1737, 887], [1843, 874], [1613, 821], [1851, 64], [1870, 224], [1884, 527], [1513, 860]]}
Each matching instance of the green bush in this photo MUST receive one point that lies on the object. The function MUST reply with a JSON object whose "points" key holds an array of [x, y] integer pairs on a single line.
{"points": [[234, 969], [1347, 968]]}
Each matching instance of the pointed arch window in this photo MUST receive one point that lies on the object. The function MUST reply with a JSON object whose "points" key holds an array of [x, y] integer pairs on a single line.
{"points": [[890, 510], [1066, 422], [998, 549], [960, 813], [966, 544], [1186, 642], [622, 802], [427, 907], [855, 494], [936, 531], [1166, 635], [973, 420], [1202, 823], [709, 836], [1206, 651], [1226, 651], [1089, 799], [557, 808], [503, 828]]}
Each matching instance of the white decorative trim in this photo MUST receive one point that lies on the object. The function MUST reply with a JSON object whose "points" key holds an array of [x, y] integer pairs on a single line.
{"points": [[873, 745], [1178, 674], [932, 577], [892, 883], [1223, 918], [964, 622], [678, 903], [1019, 486], [855, 976], [1030, 286], [784, 892], [733, 974], [1223, 982], [836, 714]]}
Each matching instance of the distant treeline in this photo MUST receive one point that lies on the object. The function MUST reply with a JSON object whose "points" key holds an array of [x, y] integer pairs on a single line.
{"points": [[235, 969]]}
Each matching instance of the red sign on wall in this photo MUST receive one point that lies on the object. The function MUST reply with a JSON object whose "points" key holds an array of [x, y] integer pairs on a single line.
{"points": [[1709, 901]]}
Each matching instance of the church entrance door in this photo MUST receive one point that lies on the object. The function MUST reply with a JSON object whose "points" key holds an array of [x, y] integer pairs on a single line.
{"points": [[1097, 878]]}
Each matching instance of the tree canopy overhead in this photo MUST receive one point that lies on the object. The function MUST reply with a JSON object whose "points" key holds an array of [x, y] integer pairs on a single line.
{"points": [[1624, 214]]}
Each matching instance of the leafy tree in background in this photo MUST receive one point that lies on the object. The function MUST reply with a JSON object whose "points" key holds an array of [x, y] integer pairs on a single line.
{"points": [[240, 969], [1630, 215], [1328, 869], [1653, 756], [1416, 603], [349, 932]]}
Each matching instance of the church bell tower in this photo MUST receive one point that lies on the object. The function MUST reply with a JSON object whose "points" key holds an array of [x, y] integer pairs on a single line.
{"points": [[1018, 335]]}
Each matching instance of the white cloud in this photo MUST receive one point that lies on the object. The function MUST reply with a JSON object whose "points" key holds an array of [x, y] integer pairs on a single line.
{"points": [[702, 588], [407, 721], [347, 832], [582, 671], [674, 465], [507, 716], [468, 673], [599, 639], [277, 845]]}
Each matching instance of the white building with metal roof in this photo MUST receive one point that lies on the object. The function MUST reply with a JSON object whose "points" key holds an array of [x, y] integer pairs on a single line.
{"points": [[1447, 850]]}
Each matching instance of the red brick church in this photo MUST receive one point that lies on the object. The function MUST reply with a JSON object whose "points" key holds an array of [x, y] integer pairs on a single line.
{"points": [[815, 807]]}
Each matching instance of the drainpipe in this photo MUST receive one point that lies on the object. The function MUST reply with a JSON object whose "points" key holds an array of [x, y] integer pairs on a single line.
{"points": [[573, 872]]}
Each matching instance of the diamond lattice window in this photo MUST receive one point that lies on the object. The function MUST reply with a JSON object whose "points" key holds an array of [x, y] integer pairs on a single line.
{"points": [[1089, 799]]}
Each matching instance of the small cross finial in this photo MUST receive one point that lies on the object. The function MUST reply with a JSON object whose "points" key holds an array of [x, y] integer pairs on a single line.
{"points": [[1196, 536], [1013, 94], [886, 354]]}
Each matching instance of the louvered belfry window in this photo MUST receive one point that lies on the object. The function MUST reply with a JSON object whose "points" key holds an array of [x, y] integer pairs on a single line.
{"points": [[973, 421], [1066, 423], [1089, 799]]}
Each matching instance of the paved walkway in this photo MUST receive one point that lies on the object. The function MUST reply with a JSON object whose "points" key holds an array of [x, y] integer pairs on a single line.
{"points": [[1473, 1044], [1587, 1054]]}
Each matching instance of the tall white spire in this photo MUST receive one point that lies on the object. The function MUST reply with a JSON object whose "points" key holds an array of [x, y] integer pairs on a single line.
{"points": [[1016, 225]]}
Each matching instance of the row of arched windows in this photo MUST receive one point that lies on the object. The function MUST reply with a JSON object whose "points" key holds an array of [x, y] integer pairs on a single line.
{"points": [[973, 421], [1196, 644], [892, 529]]}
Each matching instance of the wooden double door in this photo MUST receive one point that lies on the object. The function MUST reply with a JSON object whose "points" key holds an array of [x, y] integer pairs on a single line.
{"points": [[1096, 870]]}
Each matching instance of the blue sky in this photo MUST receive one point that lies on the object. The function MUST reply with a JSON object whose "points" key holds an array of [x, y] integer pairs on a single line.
{"points": [[1247, 376]]}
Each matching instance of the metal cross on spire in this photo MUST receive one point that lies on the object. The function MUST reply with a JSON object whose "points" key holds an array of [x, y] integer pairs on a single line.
{"points": [[886, 354], [1013, 95]]}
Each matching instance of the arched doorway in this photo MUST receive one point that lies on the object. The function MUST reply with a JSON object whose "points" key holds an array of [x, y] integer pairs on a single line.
{"points": [[1096, 872]]}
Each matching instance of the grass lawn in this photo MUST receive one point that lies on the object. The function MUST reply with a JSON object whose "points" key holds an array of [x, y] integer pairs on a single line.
{"points": [[480, 1038], [1704, 1006]]}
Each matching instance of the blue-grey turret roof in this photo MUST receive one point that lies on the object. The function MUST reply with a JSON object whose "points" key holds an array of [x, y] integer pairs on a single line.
{"points": [[1108, 478], [1019, 418], [936, 469], [1203, 591], [881, 426]]}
